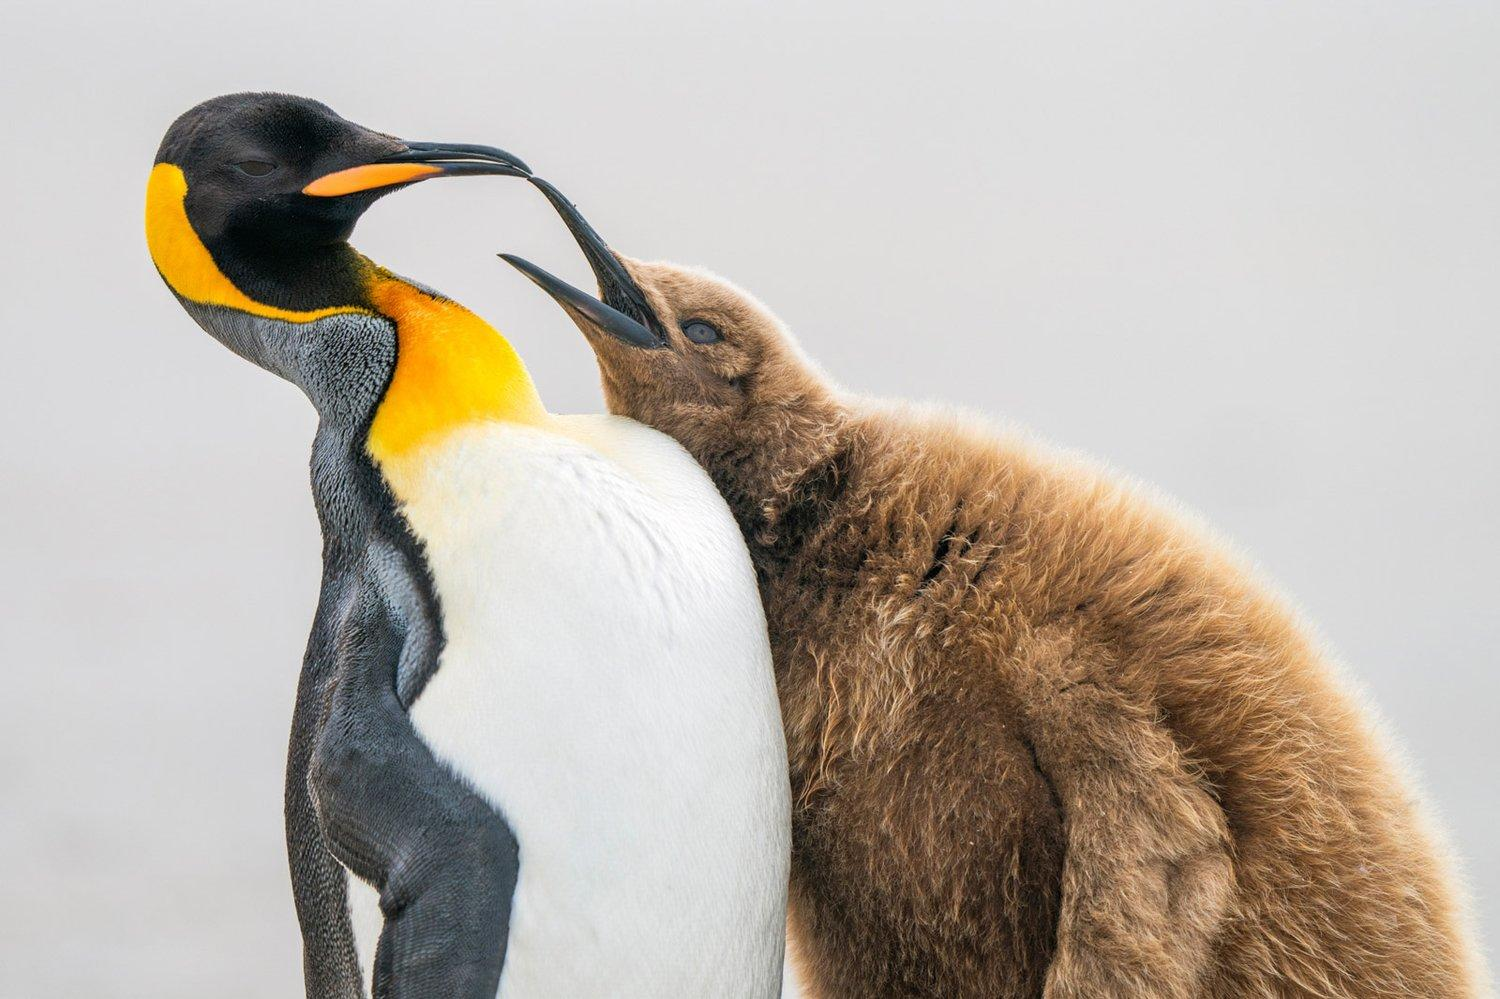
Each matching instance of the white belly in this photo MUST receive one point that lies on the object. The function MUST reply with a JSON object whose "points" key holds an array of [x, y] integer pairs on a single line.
{"points": [[606, 684]]}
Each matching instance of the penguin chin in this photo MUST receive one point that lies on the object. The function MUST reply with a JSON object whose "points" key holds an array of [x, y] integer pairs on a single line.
{"points": [[287, 229]]}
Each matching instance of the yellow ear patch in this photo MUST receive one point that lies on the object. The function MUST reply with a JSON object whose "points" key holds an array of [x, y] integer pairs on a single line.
{"points": [[452, 368], [185, 262]]}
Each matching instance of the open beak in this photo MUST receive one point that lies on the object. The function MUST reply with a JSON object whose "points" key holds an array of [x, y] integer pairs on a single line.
{"points": [[418, 161], [611, 320], [623, 312]]}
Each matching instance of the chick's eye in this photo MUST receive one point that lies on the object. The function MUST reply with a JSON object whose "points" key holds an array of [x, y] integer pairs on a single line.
{"points": [[255, 168], [699, 331]]}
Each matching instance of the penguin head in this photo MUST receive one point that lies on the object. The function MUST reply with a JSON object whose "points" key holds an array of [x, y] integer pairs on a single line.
{"points": [[686, 351], [249, 207], [248, 158], [272, 185]]}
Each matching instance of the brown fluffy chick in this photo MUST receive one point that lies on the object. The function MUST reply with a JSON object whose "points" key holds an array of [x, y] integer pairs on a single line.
{"points": [[1047, 737]]}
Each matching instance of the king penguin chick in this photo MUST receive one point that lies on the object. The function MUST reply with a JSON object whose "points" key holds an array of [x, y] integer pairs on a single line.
{"points": [[537, 712], [1046, 737]]}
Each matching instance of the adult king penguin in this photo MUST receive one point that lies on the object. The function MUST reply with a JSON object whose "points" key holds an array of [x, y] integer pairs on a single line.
{"points": [[536, 712]]}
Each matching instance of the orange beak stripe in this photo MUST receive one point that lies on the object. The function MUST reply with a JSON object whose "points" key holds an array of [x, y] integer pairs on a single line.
{"points": [[371, 175]]}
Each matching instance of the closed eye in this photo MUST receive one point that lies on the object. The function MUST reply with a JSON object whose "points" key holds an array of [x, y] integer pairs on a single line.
{"points": [[255, 168]]}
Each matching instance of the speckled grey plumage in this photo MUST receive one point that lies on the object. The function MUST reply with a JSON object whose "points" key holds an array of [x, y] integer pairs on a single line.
{"points": [[362, 789]]}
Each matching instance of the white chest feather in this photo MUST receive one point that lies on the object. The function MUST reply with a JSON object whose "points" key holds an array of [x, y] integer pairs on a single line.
{"points": [[606, 684]]}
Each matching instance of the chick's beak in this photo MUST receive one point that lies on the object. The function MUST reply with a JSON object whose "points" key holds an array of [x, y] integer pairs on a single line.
{"points": [[611, 320], [623, 312], [418, 161]]}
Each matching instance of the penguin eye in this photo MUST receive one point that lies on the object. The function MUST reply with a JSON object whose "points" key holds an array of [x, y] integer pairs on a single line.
{"points": [[255, 168], [699, 331]]}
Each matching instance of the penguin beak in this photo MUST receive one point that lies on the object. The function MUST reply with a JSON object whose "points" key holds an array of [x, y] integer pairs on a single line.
{"points": [[623, 312], [418, 161], [611, 320]]}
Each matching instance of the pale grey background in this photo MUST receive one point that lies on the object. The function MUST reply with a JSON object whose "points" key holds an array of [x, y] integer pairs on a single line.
{"points": [[1248, 252]]}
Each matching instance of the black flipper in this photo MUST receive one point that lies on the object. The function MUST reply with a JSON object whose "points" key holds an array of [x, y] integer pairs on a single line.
{"points": [[362, 787], [330, 965], [444, 861]]}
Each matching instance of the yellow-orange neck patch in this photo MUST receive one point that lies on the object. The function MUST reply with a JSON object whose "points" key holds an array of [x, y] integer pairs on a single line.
{"points": [[452, 368], [185, 262]]}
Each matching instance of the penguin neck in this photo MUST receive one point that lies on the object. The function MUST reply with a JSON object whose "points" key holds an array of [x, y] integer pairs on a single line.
{"points": [[782, 488], [452, 370]]}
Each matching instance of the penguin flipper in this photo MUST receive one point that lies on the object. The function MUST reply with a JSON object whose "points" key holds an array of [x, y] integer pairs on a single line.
{"points": [[1148, 864], [444, 861], [330, 960]]}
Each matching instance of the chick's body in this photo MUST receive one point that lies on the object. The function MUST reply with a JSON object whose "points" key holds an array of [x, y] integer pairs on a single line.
{"points": [[1046, 735]]}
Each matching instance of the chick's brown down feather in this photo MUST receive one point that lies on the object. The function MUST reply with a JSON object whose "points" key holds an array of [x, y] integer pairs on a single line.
{"points": [[1047, 736]]}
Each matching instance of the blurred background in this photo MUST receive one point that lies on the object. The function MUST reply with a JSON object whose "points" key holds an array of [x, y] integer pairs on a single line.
{"points": [[1247, 252]]}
